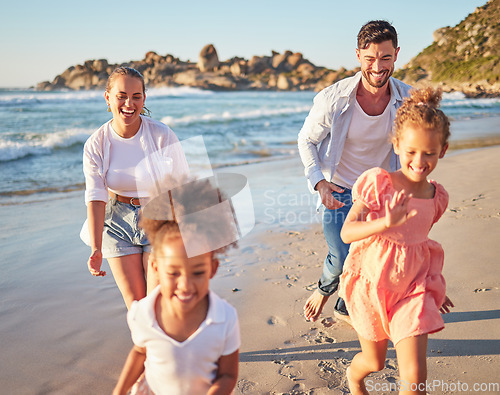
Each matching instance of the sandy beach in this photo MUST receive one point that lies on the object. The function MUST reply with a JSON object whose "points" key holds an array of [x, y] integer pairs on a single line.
{"points": [[283, 353], [64, 332]]}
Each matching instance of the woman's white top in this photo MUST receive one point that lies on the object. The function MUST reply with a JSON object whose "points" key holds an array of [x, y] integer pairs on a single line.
{"points": [[162, 155], [125, 156]]}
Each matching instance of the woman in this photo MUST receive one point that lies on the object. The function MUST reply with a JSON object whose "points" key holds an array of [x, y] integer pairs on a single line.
{"points": [[123, 161]]}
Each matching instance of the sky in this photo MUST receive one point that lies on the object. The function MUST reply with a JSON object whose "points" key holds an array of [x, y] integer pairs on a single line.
{"points": [[41, 39]]}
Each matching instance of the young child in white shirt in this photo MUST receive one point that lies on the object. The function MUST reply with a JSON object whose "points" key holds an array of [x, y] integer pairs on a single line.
{"points": [[186, 339]]}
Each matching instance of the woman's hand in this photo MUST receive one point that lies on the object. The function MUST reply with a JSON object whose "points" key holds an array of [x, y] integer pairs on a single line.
{"points": [[396, 212], [94, 263], [447, 304]]}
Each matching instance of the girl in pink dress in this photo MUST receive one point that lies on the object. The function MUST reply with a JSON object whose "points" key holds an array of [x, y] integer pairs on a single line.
{"points": [[392, 282]]}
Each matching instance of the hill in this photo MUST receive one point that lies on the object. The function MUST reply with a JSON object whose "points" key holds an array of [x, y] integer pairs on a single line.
{"points": [[464, 58]]}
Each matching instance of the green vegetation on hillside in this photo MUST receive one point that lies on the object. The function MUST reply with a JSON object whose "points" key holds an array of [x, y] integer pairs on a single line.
{"points": [[466, 53]]}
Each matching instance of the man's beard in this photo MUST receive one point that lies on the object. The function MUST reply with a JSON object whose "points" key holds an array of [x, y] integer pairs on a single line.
{"points": [[378, 84]]}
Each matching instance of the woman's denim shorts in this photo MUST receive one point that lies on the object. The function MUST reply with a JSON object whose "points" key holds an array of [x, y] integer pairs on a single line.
{"points": [[122, 235]]}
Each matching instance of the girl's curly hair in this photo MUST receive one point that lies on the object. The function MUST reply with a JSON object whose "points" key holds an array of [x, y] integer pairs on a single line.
{"points": [[422, 109]]}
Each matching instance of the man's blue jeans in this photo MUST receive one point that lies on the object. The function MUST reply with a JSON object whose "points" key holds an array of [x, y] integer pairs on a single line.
{"points": [[337, 249]]}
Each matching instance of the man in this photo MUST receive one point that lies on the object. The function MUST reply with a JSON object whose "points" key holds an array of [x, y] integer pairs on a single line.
{"points": [[347, 132]]}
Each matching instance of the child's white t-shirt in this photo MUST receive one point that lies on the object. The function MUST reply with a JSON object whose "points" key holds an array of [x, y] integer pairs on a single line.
{"points": [[189, 367]]}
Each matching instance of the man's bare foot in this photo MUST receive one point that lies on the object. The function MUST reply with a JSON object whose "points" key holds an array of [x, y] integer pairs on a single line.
{"points": [[314, 306], [355, 388]]}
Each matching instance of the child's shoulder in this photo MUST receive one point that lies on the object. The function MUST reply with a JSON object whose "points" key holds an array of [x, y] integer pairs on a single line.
{"points": [[220, 310], [143, 310], [375, 172], [439, 187], [375, 177], [371, 186], [440, 192]]}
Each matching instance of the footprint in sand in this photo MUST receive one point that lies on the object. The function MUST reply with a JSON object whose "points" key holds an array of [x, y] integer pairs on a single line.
{"points": [[318, 337], [391, 364], [327, 322], [327, 367], [292, 277], [478, 197], [298, 389], [290, 372], [246, 387], [477, 290], [323, 338], [332, 373], [307, 251], [391, 378]]}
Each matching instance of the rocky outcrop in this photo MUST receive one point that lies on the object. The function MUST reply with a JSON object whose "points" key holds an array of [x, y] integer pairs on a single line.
{"points": [[463, 58], [91, 75], [208, 59], [280, 71]]}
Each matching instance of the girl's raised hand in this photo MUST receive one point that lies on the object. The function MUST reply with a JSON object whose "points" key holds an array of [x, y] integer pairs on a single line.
{"points": [[396, 211]]}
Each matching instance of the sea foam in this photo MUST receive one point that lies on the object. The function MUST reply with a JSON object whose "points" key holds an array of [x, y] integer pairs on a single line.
{"points": [[20, 146], [458, 99], [228, 116], [17, 98]]}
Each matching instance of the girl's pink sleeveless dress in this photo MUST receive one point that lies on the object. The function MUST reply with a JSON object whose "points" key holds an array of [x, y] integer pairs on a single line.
{"points": [[392, 282]]}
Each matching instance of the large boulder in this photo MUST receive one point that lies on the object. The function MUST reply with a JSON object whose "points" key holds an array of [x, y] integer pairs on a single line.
{"points": [[44, 86], [279, 60], [259, 64], [295, 59], [152, 58], [208, 59], [100, 65], [283, 83], [238, 68], [79, 78], [188, 78], [306, 69], [208, 80]]}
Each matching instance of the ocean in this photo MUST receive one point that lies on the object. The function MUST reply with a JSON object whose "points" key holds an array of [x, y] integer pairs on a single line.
{"points": [[42, 133]]}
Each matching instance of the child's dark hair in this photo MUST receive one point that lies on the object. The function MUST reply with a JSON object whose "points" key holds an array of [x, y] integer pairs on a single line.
{"points": [[422, 109], [162, 215]]}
